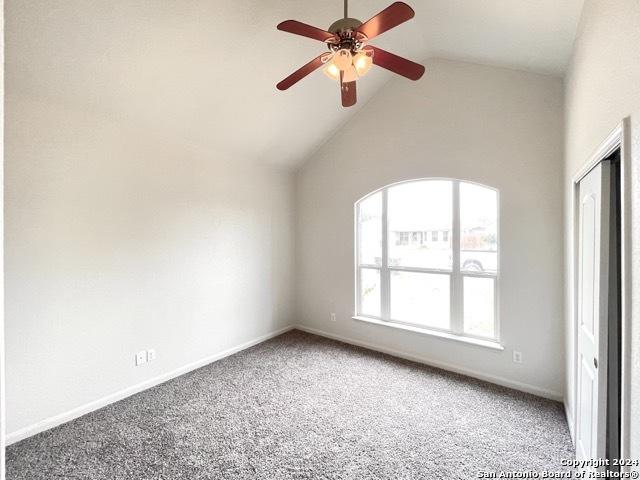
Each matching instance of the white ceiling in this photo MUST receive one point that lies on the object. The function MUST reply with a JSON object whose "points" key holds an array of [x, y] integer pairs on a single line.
{"points": [[205, 71]]}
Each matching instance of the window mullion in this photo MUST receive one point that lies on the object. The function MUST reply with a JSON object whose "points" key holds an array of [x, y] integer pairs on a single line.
{"points": [[358, 289], [456, 277], [384, 270]]}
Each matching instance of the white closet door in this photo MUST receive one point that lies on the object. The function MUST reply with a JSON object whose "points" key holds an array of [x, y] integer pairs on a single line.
{"points": [[593, 268]]}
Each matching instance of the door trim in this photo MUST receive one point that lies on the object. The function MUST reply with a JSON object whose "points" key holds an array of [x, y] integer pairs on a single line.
{"points": [[620, 137]]}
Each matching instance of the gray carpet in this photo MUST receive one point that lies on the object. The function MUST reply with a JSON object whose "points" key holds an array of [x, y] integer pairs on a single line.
{"points": [[304, 407]]}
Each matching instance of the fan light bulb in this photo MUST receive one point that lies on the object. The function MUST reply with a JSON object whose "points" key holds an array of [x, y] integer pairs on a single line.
{"points": [[363, 63], [342, 59], [332, 71]]}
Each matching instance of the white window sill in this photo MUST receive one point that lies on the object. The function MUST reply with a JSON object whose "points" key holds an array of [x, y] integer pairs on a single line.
{"points": [[435, 333]]}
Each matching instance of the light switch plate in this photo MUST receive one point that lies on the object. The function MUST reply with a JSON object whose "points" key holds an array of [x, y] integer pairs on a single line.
{"points": [[151, 355]]}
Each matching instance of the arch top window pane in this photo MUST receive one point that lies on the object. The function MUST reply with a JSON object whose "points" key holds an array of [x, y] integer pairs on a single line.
{"points": [[420, 222], [478, 228], [370, 230]]}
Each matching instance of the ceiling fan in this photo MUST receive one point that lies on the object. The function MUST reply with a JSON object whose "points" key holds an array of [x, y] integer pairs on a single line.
{"points": [[350, 56]]}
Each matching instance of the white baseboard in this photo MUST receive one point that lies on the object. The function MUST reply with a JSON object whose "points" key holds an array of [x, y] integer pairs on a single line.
{"points": [[505, 382], [570, 422], [59, 419], [65, 417]]}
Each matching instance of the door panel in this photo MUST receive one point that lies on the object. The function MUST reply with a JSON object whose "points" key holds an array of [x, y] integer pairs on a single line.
{"points": [[588, 391], [588, 263]]}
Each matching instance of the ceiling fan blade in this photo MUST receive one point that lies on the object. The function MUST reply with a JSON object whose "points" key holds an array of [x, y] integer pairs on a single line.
{"points": [[390, 17], [299, 28], [348, 92], [396, 64], [302, 72]]}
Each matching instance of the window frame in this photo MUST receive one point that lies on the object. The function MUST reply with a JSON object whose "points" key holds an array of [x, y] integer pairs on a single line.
{"points": [[456, 274]]}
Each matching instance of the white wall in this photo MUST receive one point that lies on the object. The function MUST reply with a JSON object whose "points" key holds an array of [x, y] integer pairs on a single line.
{"points": [[603, 87], [499, 127], [118, 241]]}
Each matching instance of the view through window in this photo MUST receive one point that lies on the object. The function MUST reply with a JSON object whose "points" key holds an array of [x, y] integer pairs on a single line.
{"points": [[427, 256]]}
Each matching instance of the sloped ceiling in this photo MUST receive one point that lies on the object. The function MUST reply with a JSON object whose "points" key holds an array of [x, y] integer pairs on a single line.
{"points": [[204, 71]]}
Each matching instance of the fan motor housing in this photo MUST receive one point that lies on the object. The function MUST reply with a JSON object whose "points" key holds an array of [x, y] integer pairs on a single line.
{"points": [[344, 25]]}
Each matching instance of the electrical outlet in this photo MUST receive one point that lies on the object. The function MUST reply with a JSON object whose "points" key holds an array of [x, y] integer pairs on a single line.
{"points": [[141, 358], [517, 357], [151, 355], [332, 317]]}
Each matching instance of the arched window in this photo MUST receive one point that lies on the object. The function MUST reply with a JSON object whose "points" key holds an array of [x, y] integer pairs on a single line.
{"points": [[427, 257]]}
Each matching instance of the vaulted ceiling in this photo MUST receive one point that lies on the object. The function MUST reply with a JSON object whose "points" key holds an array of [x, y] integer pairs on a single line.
{"points": [[205, 71]]}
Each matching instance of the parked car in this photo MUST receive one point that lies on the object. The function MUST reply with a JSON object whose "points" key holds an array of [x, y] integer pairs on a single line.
{"points": [[478, 261]]}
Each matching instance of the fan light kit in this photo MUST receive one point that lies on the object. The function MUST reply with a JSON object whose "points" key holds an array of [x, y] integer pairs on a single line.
{"points": [[350, 56]]}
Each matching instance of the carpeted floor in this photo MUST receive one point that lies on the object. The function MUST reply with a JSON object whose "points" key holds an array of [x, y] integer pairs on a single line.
{"points": [[304, 407]]}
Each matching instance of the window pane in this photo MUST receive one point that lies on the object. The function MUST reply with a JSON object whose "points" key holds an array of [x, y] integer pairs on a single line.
{"points": [[479, 304], [420, 298], [370, 230], [370, 292], [419, 222], [478, 228]]}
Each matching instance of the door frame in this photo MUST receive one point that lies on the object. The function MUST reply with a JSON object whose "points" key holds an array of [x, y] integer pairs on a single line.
{"points": [[620, 137]]}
